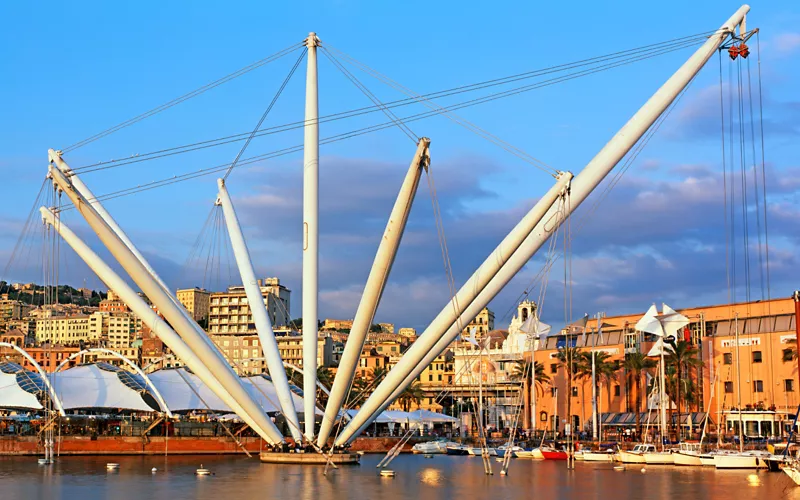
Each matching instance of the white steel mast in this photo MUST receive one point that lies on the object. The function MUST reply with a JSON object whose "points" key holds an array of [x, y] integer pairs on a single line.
{"points": [[310, 237], [173, 313], [582, 185], [376, 282], [266, 335]]}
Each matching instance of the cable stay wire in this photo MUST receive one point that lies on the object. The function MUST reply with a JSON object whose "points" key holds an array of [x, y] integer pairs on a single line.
{"points": [[266, 113], [343, 136], [363, 88], [633, 55], [451, 116], [194, 93]]}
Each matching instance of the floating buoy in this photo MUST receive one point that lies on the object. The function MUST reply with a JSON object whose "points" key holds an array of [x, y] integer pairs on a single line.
{"points": [[502, 472], [387, 473], [45, 461], [112, 466], [619, 467], [498, 459], [153, 470], [203, 472], [644, 469], [428, 455]]}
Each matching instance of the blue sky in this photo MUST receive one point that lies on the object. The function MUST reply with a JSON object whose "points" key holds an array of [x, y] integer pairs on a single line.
{"points": [[659, 236]]}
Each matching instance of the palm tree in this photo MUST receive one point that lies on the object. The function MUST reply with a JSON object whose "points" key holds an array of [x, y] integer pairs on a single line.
{"points": [[683, 358], [532, 375], [569, 357], [376, 375], [790, 353], [637, 364], [411, 394], [358, 393], [607, 370], [325, 376]]}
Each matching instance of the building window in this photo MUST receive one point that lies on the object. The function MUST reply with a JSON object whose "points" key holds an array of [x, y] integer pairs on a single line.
{"points": [[788, 385], [758, 386], [616, 390], [788, 355], [553, 391], [727, 358], [553, 368], [756, 356], [729, 387], [574, 392]]}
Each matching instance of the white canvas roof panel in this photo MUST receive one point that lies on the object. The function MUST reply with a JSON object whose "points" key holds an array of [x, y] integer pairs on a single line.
{"points": [[14, 396], [90, 386]]}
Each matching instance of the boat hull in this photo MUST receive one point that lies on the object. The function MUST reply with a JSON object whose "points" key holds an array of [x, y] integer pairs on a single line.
{"points": [[554, 455], [597, 456], [687, 459], [657, 458], [793, 472], [457, 451], [707, 460], [734, 461], [628, 457]]}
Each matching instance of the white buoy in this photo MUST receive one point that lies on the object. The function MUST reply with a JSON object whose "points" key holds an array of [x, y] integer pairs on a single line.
{"points": [[202, 471], [112, 466], [153, 470], [619, 467], [387, 473], [502, 472], [428, 455], [643, 470]]}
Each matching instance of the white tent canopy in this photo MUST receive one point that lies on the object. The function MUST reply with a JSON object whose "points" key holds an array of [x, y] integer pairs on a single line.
{"points": [[90, 386], [413, 417], [184, 391], [14, 396], [263, 391]]}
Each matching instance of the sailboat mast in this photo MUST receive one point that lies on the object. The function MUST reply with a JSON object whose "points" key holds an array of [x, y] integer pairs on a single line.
{"points": [[594, 381], [738, 380], [310, 237]]}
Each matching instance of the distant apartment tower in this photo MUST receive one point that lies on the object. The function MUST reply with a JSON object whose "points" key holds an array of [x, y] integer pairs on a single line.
{"points": [[196, 301], [483, 323], [229, 312]]}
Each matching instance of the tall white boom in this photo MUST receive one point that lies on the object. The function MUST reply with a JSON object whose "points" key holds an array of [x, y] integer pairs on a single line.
{"points": [[259, 311], [582, 185], [140, 308], [310, 236], [451, 319], [173, 313], [376, 282]]}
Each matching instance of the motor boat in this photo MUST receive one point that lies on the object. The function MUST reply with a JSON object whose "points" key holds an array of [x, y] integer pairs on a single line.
{"points": [[432, 447], [458, 449], [578, 455], [524, 454], [688, 454], [598, 456], [742, 460], [792, 469], [501, 450], [636, 455]]}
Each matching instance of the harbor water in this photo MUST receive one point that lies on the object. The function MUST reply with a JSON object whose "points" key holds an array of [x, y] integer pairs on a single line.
{"points": [[418, 478]]}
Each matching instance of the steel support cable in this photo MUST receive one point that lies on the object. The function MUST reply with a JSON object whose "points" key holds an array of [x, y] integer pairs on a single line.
{"points": [[450, 116], [23, 236], [332, 139], [266, 113], [724, 180], [377, 102], [756, 193], [642, 55], [763, 164], [185, 97], [743, 178]]}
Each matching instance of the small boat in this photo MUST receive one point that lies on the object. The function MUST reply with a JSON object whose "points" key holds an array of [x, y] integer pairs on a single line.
{"points": [[432, 447], [501, 450], [203, 471], [112, 466], [688, 454], [554, 454], [741, 460], [458, 449], [387, 473], [578, 455], [636, 455], [598, 456], [524, 454]]}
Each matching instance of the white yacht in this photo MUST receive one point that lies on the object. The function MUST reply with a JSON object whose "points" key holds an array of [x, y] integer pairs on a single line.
{"points": [[688, 454], [636, 455], [659, 458], [502, 450], [477, 452]]}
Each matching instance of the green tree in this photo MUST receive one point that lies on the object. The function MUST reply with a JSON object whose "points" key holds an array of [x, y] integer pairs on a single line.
{"points": [[683, 358], [522, 371], [637, 365], [376, 375], [325, 376]]}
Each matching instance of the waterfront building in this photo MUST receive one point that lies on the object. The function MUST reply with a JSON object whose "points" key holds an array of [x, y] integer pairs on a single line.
{"points": [[229, 312], [196, 300], [407, 332], [337, 324], [241, 349]]}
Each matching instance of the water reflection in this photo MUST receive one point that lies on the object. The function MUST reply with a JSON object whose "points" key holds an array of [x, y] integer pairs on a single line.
{"points": [[431, 477], [86, 478]]}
